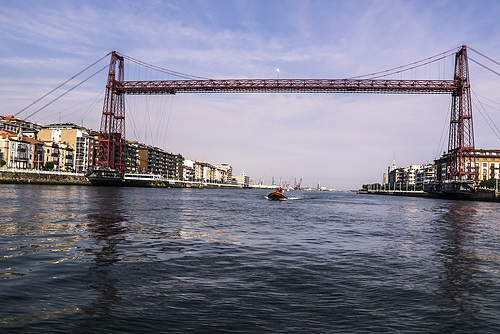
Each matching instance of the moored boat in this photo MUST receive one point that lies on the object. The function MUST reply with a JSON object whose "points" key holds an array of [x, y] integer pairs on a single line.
{"points": [[105, 177], [460, 190], [143, 180]]}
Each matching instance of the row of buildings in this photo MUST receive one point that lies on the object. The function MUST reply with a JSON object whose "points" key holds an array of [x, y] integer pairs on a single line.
{"points": [[412, 176], [487, 166], [69, 147]]}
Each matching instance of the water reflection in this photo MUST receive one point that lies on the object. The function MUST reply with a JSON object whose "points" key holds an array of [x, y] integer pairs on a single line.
{"points": [[37, 226], [105, 226], [459, 229]]}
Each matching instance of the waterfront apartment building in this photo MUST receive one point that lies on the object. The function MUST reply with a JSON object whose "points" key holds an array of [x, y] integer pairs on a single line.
{"points": [[179, 170], [12, 124], [18, 151], [205, 172], [242, 180], [487, 165], [424, 175], [15, 150], [216, 173], [188, 170], [225, 172], [133, 160], [142, 158], [409, 177], [69, 146], [37, 153]]}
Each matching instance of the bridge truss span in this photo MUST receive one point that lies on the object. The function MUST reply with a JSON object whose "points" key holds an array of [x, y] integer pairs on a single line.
{"points": [[460, 161], [289, 86]]}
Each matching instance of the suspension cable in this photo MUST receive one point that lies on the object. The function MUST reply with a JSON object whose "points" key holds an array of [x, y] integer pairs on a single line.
{"points": [[490, 59], [484, 66], [163, 70], [410, 66], [487, 118], [65, 82], [66, 92], [444, 132]]}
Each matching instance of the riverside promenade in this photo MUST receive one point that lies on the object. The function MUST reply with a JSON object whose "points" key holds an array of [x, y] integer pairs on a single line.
{"points": [[32, 176]]}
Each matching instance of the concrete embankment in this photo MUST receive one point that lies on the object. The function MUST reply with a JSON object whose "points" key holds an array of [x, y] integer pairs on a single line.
{"points": [[396, 193], [41, 177], [185, 184], [482, 195], [21, 176]]}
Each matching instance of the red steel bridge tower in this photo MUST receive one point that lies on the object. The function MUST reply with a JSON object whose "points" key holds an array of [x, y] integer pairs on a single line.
{"points": [[460, 161], [111, 149]]}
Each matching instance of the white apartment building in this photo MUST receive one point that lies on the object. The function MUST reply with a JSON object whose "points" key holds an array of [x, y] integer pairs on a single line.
{"points": [[242, 179], [414, 175], [76, 141], [205, 172], [18, 151]]}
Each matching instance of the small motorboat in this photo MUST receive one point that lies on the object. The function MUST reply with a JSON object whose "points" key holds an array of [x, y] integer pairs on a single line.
{"points": [[276, 196]]}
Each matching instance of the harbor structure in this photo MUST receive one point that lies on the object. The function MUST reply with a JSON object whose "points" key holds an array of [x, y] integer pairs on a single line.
{"points": [[461, 139]]}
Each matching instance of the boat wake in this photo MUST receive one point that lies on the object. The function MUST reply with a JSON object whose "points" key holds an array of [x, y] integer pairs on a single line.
{"points": [[288, 198]]}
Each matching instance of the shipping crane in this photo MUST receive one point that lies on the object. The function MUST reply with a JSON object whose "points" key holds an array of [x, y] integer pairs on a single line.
{"points": [[297, 185]]}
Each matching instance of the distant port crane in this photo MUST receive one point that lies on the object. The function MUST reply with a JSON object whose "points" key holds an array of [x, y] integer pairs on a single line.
{"points": [[460, 161], [297, 185]]}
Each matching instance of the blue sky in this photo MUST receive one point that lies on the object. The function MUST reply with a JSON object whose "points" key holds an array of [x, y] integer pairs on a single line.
{"points": [[340, 140]]}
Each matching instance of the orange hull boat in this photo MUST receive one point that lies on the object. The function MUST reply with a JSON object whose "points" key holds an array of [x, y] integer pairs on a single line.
{"points": [[276, 196]]}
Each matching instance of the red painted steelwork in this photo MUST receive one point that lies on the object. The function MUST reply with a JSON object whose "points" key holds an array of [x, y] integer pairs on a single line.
{"points": [[289, 86], [461, 164], [461, 140], [111, 144]]}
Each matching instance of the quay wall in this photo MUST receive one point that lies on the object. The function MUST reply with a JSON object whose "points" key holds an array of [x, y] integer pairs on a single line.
{"points": [[41, 177], [195, 184], [398, 193], [485, 195], [22, 176]]}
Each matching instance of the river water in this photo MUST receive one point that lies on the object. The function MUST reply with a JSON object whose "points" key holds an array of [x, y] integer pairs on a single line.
{"points": [[117, 260]]}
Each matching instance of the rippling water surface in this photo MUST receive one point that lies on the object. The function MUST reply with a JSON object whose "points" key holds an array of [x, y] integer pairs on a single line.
{"points": [[100, 260]]}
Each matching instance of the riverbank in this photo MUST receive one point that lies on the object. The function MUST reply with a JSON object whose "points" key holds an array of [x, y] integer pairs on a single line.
{"points": [[23, 176], [409, 193], [484, 195]]}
